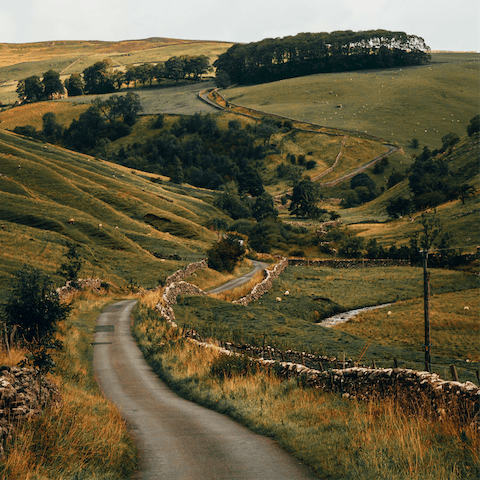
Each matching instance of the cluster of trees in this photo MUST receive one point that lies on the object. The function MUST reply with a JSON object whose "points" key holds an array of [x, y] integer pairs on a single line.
{"points": [[36, 89], [268, 233], [311, 53], [224, 255], [102, 78], [103, 121], [430, 180], [197, 151]]}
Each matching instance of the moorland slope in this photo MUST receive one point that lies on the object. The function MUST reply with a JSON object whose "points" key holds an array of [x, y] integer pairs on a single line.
{"points": [[124, 221]]}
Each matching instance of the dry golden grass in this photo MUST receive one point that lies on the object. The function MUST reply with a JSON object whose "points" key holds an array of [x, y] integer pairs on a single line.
{"points": [[12, 357], [338, 438], [241, 291], [86, 435], [454, 323], [32, 113]]}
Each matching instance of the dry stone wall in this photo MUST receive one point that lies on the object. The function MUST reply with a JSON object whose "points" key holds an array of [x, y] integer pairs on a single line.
{"points": [[421, 393], [418, 392], [264, 286], [23, 395], [349, 263], [93, 283], [187, 271], [174, 287]]}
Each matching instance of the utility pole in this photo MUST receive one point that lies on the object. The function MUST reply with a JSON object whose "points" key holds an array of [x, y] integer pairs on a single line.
{"points": [[426, 309]]}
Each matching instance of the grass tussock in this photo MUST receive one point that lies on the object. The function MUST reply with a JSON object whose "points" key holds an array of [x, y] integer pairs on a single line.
{"points": [[85, 437], [340, 439]]}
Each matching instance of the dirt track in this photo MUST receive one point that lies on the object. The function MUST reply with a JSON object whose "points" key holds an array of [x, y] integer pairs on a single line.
{"points": [[177, 439]]}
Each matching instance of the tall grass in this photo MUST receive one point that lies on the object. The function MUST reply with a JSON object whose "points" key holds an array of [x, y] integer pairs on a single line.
{"points": [[340, 439], [454, 317], [85, 437]]}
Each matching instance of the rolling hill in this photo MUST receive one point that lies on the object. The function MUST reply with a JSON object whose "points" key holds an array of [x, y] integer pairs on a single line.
{"points": [[123, 221]]}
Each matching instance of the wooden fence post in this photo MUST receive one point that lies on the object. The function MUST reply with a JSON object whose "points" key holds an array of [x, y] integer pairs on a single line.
{"points": [[453, 371]]}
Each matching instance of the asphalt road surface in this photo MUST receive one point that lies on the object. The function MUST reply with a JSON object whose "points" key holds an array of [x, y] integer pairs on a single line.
{"points": [[177, 439], [236, 282]]}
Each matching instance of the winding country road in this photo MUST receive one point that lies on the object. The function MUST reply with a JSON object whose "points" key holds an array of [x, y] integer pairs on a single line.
{"points": [[236, 282], [177, 439]]}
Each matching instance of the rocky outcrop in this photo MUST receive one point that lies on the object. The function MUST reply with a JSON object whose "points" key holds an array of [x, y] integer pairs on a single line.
{"points": [[23, 395]]}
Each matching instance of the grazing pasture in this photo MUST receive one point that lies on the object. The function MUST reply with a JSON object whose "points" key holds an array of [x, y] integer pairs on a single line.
{"points": [[424, 102]]}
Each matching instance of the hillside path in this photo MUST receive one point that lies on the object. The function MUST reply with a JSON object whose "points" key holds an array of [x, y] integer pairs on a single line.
{"points": [[178, 439]]}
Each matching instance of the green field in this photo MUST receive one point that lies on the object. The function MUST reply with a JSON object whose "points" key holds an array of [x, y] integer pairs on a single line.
{"points": [[424, 102], [316, 293]]}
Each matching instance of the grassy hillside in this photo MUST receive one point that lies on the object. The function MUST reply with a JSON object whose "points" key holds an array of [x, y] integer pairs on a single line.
{"points": [[50, 195], [460, 220], [18, 61], [424, 102]]}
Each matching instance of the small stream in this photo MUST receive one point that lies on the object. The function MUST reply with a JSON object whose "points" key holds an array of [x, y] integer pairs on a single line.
{"points": [[346, 316]]}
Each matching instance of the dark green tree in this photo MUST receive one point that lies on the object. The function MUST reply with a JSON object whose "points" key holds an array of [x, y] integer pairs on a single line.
{"points": [[99, 78], [449, 140], [474, 125], [232, 204], [52, 83], [414, 143], [33, 308], [175, 68], [222, 79], [31, 89], [264, 207], [304, 199], [72, 265], [399, 207], [75, 85], [224, 255], [177, 175], [52, 130], [351, 246]]}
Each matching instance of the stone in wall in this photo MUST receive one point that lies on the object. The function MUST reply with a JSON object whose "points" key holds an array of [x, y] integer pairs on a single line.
{"points": [[187, 271], [23, 395]]}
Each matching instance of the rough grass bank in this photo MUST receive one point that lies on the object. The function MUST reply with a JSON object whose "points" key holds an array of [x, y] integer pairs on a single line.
{"points": [[340, 439], [83, 439]]}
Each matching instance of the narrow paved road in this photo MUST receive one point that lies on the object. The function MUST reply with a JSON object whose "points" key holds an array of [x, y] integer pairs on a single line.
{"points": [[177, 439], [236, 282]]}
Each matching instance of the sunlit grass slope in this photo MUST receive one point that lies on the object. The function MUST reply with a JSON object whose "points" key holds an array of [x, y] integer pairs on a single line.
{"points": [[424, 102], [460, 220], [120, 218], [18, 61]]}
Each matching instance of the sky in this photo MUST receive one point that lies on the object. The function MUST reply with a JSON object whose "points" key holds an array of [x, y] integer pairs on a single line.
{"points": [[443, 24]]}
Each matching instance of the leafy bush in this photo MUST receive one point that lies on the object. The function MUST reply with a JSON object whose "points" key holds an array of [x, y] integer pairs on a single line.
{"points": [[225, 254], [33, 308]]}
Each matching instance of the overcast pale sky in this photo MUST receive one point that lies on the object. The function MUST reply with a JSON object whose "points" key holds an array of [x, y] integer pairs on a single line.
{"points": [[444, 24]]}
